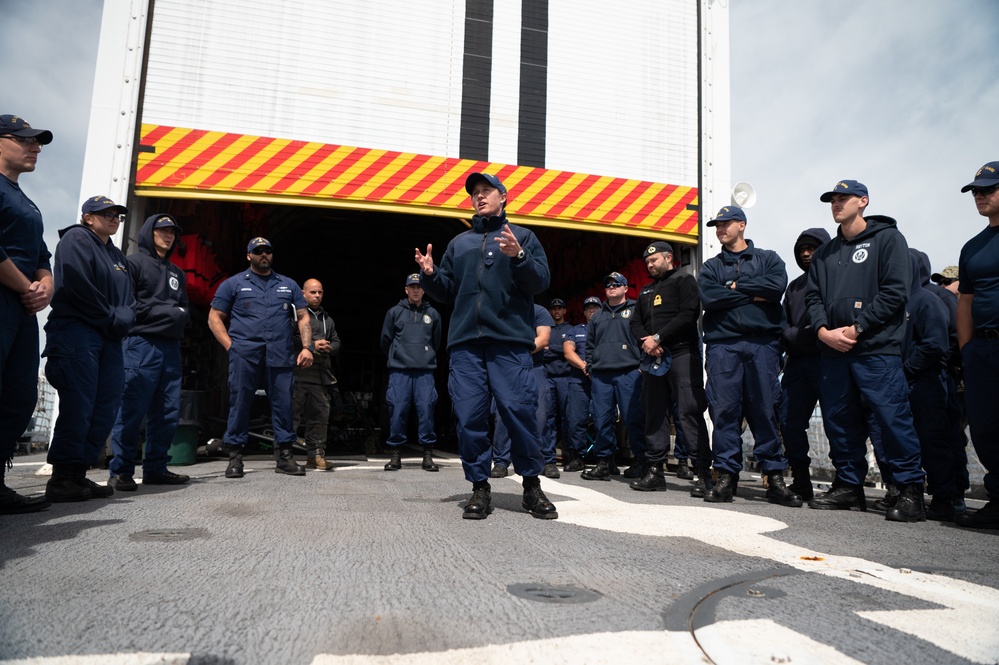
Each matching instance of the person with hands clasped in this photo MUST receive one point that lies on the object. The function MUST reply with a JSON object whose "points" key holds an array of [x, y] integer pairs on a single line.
{"points": [[92, 310]]}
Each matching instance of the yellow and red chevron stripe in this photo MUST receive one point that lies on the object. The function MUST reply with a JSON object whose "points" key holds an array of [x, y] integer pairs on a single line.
{"points": [[182, 162]]}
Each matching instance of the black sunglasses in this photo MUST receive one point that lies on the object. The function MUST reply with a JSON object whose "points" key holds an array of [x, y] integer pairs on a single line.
{"points": [[261, 250], [984, 191]]}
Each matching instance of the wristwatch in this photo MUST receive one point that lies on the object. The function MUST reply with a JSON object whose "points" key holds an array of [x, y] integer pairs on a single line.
{"points": [[655, 338], [858, 328], [520, 255]]}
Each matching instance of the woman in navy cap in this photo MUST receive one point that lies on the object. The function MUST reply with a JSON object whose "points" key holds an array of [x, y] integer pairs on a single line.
{"points": [[92, 310]]}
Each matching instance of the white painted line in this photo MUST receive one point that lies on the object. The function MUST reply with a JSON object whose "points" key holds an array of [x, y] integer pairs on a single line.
{"points": [[965, 625], [593, 649], [765, 641]]}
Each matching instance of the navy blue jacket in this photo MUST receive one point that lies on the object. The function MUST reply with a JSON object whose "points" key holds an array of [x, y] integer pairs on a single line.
{"points": [[161, 308], [950, 303], [493, 294], [864, 280], [554, 359], [610, 344], [669, 307], [926, 340], [800, 338], [411, 336], [21, 231], [92, 284], [732, 313]]}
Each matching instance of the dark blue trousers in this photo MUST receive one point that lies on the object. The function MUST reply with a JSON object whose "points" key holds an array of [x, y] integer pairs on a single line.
{"points": [[742, 381], [479, 372], [244, 378], [88, 372], [152, 391], [879, 379], [799, 395], [955, 433], [612, 390], [18, 371], [501, 436], [558, 406], [928, 401], [981, 386], [406, 388], [578, 415]]}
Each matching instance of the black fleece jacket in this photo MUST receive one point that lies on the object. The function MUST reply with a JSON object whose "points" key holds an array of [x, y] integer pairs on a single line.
{"points": [[161, 308], [669, 307], [799, 337]]}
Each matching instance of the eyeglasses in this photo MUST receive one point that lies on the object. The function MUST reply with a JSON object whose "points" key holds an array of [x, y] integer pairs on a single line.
{"points": [[261, 250], [984, 191], [109, 216], [23, 140]]}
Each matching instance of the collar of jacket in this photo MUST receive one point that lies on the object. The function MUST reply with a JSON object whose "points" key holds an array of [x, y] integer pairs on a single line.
{"points": [[487, 224]]}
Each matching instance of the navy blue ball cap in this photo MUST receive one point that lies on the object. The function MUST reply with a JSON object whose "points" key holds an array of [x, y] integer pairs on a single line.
{"points": [[656, 366], [100, 204], [846, 187], [164, 222], [258, 242], [15, 125], [592, 301], [659, 246], [986, 176], [728, 214], [557, 302], [615, 279], [413, 279], [475, 178]]}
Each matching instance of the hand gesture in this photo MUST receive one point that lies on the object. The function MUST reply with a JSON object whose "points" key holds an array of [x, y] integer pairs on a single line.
{"points": [[508, 242], [425, 261]]}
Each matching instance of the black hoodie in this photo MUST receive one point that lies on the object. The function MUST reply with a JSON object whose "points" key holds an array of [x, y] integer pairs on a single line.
{"points": [[799, 337], [161, 308], [926, 337], [864, 280]]}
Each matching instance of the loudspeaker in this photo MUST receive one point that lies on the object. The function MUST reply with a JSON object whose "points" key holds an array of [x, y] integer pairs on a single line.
{"points": [[743, 195]]}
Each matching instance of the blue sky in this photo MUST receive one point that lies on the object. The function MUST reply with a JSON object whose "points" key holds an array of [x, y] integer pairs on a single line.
{"points": [[900, 94]]}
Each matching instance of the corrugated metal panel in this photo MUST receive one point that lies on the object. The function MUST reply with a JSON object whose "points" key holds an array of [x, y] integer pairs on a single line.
{"points": [[387, 76]]}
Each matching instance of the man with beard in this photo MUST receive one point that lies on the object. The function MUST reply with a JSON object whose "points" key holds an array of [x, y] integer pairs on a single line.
{"points": [[263, 306], [666, 321]]}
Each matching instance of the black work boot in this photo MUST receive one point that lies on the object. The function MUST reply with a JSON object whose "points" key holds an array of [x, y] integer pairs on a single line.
{"points": [[683, 470], [891, 496], [910, 506], [235, 468], [986, 517], [535, 501], [841, 496], [285, 462], [801, 484], [600, 472], [499, 471], [636, 470], [779, 493], [479, 506], [395, 461], [724, 490], [941, 509], [63, 486], [575, 465], [652, 481], [428, 460], [12, 503], [702, 484], [551, 471]]}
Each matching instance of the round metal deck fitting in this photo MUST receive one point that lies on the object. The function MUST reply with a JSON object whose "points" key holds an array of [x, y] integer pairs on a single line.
{"points": [[549, 593]]}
